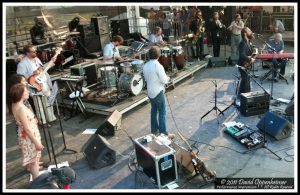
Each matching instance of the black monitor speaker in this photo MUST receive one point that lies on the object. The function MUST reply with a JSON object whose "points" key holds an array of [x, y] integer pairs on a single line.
{"points": [[99, 152]]}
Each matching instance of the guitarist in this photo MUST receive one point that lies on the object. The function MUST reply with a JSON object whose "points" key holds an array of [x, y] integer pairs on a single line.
{"points": [[29, 66], [245, 60]]}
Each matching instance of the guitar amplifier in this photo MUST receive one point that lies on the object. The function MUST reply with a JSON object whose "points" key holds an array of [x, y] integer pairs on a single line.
{"points": [[254, 103], [87, 69], [156, 160]]}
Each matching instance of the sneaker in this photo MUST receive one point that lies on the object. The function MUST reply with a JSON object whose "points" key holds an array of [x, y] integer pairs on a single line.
{"points": [[171, 136]]}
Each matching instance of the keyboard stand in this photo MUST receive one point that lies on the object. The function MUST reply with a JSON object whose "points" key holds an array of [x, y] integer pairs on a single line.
{"points": [[76, 99]]}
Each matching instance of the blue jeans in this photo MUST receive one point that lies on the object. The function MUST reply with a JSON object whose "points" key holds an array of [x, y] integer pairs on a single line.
{"points": [[158, 104]]}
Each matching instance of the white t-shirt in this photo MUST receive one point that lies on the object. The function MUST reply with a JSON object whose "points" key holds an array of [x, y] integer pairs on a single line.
{"points": [[110, 51], [26, 67], [155, 39], [156, 78]]}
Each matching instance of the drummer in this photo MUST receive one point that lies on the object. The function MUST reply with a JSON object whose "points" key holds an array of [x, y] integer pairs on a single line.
{"points": [[111, 51], [156, 39]]}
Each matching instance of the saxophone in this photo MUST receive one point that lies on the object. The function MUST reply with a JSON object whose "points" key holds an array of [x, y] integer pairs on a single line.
{"points": [[199, 32]]}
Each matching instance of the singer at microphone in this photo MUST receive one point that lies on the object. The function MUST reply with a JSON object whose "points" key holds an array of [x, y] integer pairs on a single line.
{"points": [[245, 60]]}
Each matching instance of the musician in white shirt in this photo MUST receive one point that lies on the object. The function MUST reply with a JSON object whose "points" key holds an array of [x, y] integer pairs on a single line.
{"points": [[111, 51], [29, 66], [156, 38], [156, 80]]}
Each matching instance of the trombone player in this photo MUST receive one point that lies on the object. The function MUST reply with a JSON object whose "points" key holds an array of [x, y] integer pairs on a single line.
{"points": [[198, 27]]}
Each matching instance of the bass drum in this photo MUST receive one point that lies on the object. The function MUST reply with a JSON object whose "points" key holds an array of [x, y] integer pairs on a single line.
{"points": [[130, 82]]}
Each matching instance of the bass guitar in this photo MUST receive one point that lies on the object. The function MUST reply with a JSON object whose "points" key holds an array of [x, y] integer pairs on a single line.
{"points": [[36, 80]]}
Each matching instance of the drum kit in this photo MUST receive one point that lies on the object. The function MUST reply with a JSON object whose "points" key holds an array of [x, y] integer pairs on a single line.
{"points": [[127, 77]]}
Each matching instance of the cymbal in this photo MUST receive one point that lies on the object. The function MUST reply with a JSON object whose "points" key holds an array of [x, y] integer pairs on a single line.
{"points": [[102, 62]]}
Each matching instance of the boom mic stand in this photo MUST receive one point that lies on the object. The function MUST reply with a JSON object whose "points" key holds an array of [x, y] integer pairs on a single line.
{"points": [[264, 141], [215, 106]]}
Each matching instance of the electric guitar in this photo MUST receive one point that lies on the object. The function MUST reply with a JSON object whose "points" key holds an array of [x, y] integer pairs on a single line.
{"points": [[199, 165], [36, 79], [247, 65]]}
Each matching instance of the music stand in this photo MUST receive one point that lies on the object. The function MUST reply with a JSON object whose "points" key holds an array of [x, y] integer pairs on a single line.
{"points": [[264, 141], [215, 106]]}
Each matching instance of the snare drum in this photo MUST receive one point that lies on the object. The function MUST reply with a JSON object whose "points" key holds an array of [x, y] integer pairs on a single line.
{"points": [[137, 66], [125, 68], [131, 82], [165, 58], [109, 76], [178, 57]]}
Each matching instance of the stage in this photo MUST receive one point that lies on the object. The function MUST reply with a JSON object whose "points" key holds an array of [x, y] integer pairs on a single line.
{"points": [[191, 98]]}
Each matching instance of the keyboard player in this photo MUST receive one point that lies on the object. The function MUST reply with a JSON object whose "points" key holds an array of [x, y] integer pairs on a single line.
{"points": [[277, 46]]}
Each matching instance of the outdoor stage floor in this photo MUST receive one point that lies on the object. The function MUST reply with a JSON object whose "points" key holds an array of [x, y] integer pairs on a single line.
{"points": [[189, 101]]}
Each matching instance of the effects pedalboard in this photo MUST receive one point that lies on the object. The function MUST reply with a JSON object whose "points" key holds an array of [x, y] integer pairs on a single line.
{"points": [[245, 136]]}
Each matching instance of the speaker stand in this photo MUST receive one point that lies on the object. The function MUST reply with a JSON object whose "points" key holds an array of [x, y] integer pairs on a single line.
{"points": [[263, 145]]}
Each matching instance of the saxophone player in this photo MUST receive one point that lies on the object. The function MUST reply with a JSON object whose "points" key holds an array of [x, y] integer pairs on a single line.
{"points": [[215, 30], [198, 27]]}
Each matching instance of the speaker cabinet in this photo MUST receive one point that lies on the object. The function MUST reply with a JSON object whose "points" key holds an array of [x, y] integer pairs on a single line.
{"points": [[88, 39], [100, 24], [289, 110], [120, 27], [217, 62], [110, 125], [87, 69], [275, 126], [104, 39], [99, 152]]}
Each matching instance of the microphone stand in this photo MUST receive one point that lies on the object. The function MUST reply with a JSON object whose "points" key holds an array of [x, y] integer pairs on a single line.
{"points": [[215, 106], [270, 96]]}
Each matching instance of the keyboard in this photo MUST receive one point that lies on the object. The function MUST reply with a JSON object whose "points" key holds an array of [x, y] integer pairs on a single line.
{"points": [[264, 56], [71, 78]]}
